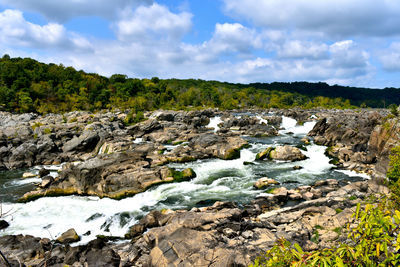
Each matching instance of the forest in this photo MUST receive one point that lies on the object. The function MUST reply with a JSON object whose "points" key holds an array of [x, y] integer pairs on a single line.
{"points": [[27, 85]]}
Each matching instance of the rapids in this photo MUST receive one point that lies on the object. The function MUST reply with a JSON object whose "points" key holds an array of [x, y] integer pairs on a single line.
{"points": [[217, 180]]}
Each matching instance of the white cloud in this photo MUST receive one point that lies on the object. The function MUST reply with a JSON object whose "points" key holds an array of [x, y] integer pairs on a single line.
{"points": [[390, 58], [346, 54], [233, 40], [303, 49], [66, 9], [154, 21], [16, 31], [332, 17], [235, 37]]}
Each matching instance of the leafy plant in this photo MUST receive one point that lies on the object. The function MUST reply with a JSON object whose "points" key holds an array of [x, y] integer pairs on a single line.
{"points": [[374, 242], [133, 118], [393, 110]]}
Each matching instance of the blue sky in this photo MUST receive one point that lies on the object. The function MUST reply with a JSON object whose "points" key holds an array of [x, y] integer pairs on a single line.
{"points": [[348, 42]]}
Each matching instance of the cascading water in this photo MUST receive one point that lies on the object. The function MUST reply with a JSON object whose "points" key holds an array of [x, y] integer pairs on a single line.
{"points": [[214, 121], [216, 180]]}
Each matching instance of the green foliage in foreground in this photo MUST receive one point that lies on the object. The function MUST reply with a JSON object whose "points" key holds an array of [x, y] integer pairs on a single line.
{"points": [[393, 173], [374, 242], [27, 85]]}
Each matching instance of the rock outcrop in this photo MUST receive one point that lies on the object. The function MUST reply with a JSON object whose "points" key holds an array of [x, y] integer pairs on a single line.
{"points": [[348, 137], [383, 139], [116, 176]]}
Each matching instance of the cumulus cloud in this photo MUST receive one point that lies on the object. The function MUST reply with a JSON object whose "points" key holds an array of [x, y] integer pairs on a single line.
{"points": [[390, 58], [228, 39], [16, 31], [66, 9], [333, 17], [235, 37], [154, 21], [303, 49]]}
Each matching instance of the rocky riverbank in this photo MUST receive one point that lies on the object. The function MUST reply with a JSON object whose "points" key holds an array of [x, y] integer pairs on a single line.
{"points": [[105, 157]]}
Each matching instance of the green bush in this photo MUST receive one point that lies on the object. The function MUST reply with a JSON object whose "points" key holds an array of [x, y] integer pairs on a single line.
{"points": [[133, 118], [393, 110], [393, 173], [374, 242]]}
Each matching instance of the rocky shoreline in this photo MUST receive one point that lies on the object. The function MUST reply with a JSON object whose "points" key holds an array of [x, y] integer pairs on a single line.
{"points": [[105, 157]]}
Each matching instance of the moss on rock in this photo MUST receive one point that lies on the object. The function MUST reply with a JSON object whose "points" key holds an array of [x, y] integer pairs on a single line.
{"points": [[265, 154]]}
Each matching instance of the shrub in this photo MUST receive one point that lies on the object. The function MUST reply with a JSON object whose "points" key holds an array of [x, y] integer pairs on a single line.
{"points": [[393, 174], [133, 118], [374, 242], [393, 109]]}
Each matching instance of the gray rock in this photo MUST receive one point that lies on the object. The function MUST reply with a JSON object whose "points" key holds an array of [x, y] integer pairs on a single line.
{"points": [[84, 143]]}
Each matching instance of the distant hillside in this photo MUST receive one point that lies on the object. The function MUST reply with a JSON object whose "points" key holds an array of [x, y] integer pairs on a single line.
{"points": [[27, 85]]}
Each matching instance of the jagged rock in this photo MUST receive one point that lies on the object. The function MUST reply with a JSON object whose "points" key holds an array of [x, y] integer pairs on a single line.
{"points": [[353, 138], [86, 142], [70, 236], [46, 181]]}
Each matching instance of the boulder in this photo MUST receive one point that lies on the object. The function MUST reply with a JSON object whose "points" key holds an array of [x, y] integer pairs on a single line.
{"points": [[264, 154], [3, 224], [287, 153], [212, 145], [43, 172], [264, 182], [70, 236], [280, 192]]}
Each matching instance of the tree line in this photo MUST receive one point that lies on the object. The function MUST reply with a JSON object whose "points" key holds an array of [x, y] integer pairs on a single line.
{"points": [[27, 85]]}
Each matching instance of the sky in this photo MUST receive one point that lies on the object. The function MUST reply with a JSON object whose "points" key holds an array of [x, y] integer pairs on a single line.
{"points": [[346, 42]]}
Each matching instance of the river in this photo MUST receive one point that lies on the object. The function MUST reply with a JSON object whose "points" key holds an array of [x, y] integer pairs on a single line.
{"points": [[217, 180]]}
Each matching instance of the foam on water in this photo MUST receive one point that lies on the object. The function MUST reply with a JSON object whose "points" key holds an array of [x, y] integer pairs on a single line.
{"points": [[354, 174], [138, 141], [290, 125], [317, 162], [25, 181], [214, 121], [50, 217], [262, 120]]}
